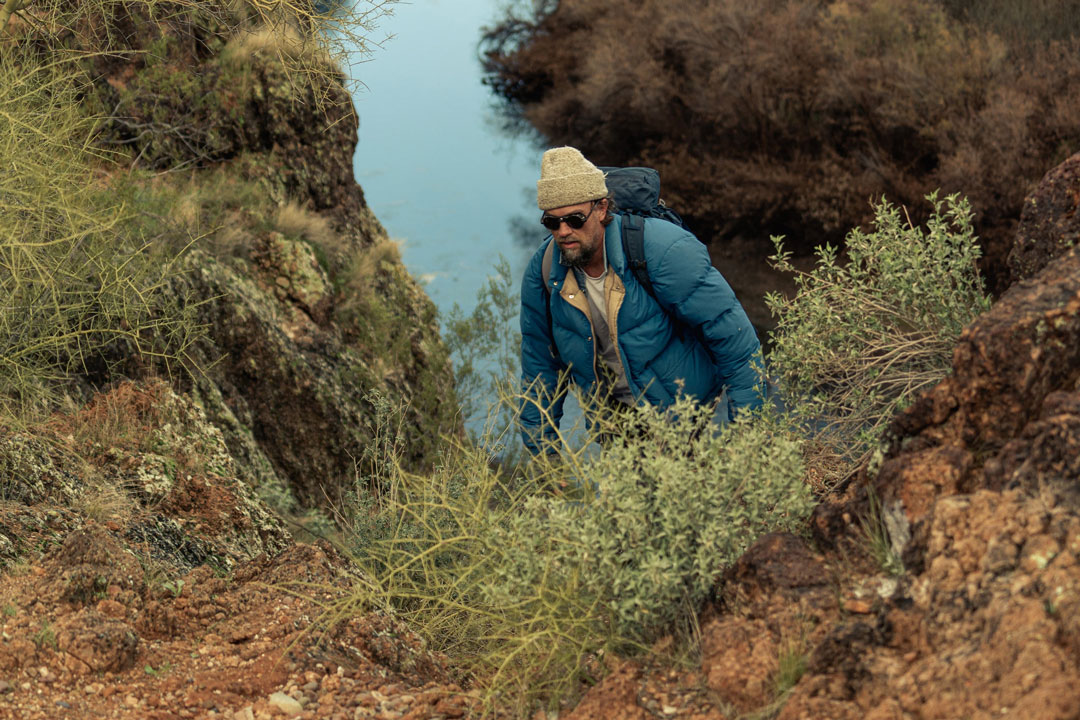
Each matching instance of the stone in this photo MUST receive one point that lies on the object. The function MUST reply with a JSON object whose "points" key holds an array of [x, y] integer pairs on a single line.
{"points": [[1049, 221], [285, 703]]}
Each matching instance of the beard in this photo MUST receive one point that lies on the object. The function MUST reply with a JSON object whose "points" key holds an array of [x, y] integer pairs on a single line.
{"points": [[577, 257], [581, 255]]}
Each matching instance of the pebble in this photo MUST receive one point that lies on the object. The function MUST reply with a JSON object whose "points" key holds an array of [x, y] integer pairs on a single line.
{"points": [[285, 703], [857, 606], [5, 686]]}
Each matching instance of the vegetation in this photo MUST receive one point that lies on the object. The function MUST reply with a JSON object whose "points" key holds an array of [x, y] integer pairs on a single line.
{"points": [[784, 117], [310, 39], [528, 575], [527, 579], [81, 287], [486, 359], [863, 337], [876, 534]]}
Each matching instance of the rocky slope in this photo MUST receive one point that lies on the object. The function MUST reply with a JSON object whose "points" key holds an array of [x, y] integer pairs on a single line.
{"points": [[312, 323], [145, 575], [142, 578]]}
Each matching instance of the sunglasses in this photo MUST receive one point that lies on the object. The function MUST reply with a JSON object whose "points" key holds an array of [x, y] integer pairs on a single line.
{"points": [[576, 220]]}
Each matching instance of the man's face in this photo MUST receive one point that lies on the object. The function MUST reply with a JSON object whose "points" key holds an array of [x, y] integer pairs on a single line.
{"points": [[578, 247]]}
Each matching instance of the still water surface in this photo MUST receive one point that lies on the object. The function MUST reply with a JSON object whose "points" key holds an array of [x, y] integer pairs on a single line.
{"points": [[433, 165]]}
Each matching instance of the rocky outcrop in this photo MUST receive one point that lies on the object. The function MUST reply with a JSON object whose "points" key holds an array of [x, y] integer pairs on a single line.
{"points": [[984, 470], [1013, 372], [315, 340], [1049, 223], [145, 462]]}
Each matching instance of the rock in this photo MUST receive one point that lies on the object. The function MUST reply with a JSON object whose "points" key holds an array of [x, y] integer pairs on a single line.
{"points": [[985, 467], [33, 472], [285, 703], [1007, 365], [94, 643], [777, 561], [1049, 222], [740, 657], [89, 562]]}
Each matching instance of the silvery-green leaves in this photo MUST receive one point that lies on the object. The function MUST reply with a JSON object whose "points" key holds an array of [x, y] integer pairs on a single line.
{"points": [[866, 334]]}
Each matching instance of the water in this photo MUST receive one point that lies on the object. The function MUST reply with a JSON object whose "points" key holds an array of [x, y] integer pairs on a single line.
{"points": [[433, 165]]}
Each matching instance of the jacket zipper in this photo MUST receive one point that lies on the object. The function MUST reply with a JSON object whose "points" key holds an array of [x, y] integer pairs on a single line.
{"points": [[576, 299]]}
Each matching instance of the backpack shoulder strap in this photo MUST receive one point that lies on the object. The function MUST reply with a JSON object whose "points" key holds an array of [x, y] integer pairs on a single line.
{"points": [[633, 240]]}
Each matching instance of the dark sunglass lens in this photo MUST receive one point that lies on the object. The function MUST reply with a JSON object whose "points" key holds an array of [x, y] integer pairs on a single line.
{"points": [[575, 220]]}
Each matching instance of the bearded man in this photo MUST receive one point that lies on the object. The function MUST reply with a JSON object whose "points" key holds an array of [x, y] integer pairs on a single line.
{"points": [[585, 315]]}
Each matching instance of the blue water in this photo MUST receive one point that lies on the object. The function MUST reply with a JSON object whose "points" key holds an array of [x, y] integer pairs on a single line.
{"points": [[433, 164]]}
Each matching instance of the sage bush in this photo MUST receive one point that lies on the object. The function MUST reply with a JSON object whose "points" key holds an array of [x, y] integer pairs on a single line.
{"points": [[865, 334]]}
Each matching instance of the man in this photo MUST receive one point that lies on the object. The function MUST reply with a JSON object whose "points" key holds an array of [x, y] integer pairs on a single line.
{"points": [[592, 317]]}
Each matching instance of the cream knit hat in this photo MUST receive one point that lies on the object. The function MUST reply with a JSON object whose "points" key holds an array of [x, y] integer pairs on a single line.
{"points": [[567, 178]]}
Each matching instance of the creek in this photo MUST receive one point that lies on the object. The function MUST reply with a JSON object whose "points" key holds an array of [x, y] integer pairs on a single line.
{"points": [[434, 165]]}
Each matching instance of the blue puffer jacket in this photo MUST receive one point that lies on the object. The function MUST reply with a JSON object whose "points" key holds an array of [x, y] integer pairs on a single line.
{"points": [[697, 336]]}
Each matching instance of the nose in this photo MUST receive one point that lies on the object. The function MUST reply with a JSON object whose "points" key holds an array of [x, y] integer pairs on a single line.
{"points": [[564, 230]]}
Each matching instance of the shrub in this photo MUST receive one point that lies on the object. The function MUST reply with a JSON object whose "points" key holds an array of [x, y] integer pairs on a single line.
{"points": [[311, 38], [486, 356], [862, 338], [524, 580], [80, 288]]}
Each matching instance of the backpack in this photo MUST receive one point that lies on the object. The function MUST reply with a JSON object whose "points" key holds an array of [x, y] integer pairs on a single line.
{"points": [[636, 191]]}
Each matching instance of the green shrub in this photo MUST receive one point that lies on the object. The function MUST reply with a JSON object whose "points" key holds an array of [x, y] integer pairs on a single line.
{"points": [[486, 355], [862, 338], [524, 580]]}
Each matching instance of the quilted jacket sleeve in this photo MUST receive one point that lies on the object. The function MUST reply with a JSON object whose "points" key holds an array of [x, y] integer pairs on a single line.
{"points": [[697, 294], [542, 398]]}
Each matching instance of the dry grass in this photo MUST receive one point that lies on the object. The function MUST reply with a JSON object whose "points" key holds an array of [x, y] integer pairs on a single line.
{"points": [[105, 502], [364, 267], [123, 417], [292, 219], [283, 43]]}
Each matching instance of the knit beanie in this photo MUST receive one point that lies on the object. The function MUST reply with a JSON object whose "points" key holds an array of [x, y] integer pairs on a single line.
{"points": [[567, 178]]}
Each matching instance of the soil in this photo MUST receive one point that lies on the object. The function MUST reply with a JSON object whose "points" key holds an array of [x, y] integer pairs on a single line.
{"points": [[85, 636]]}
